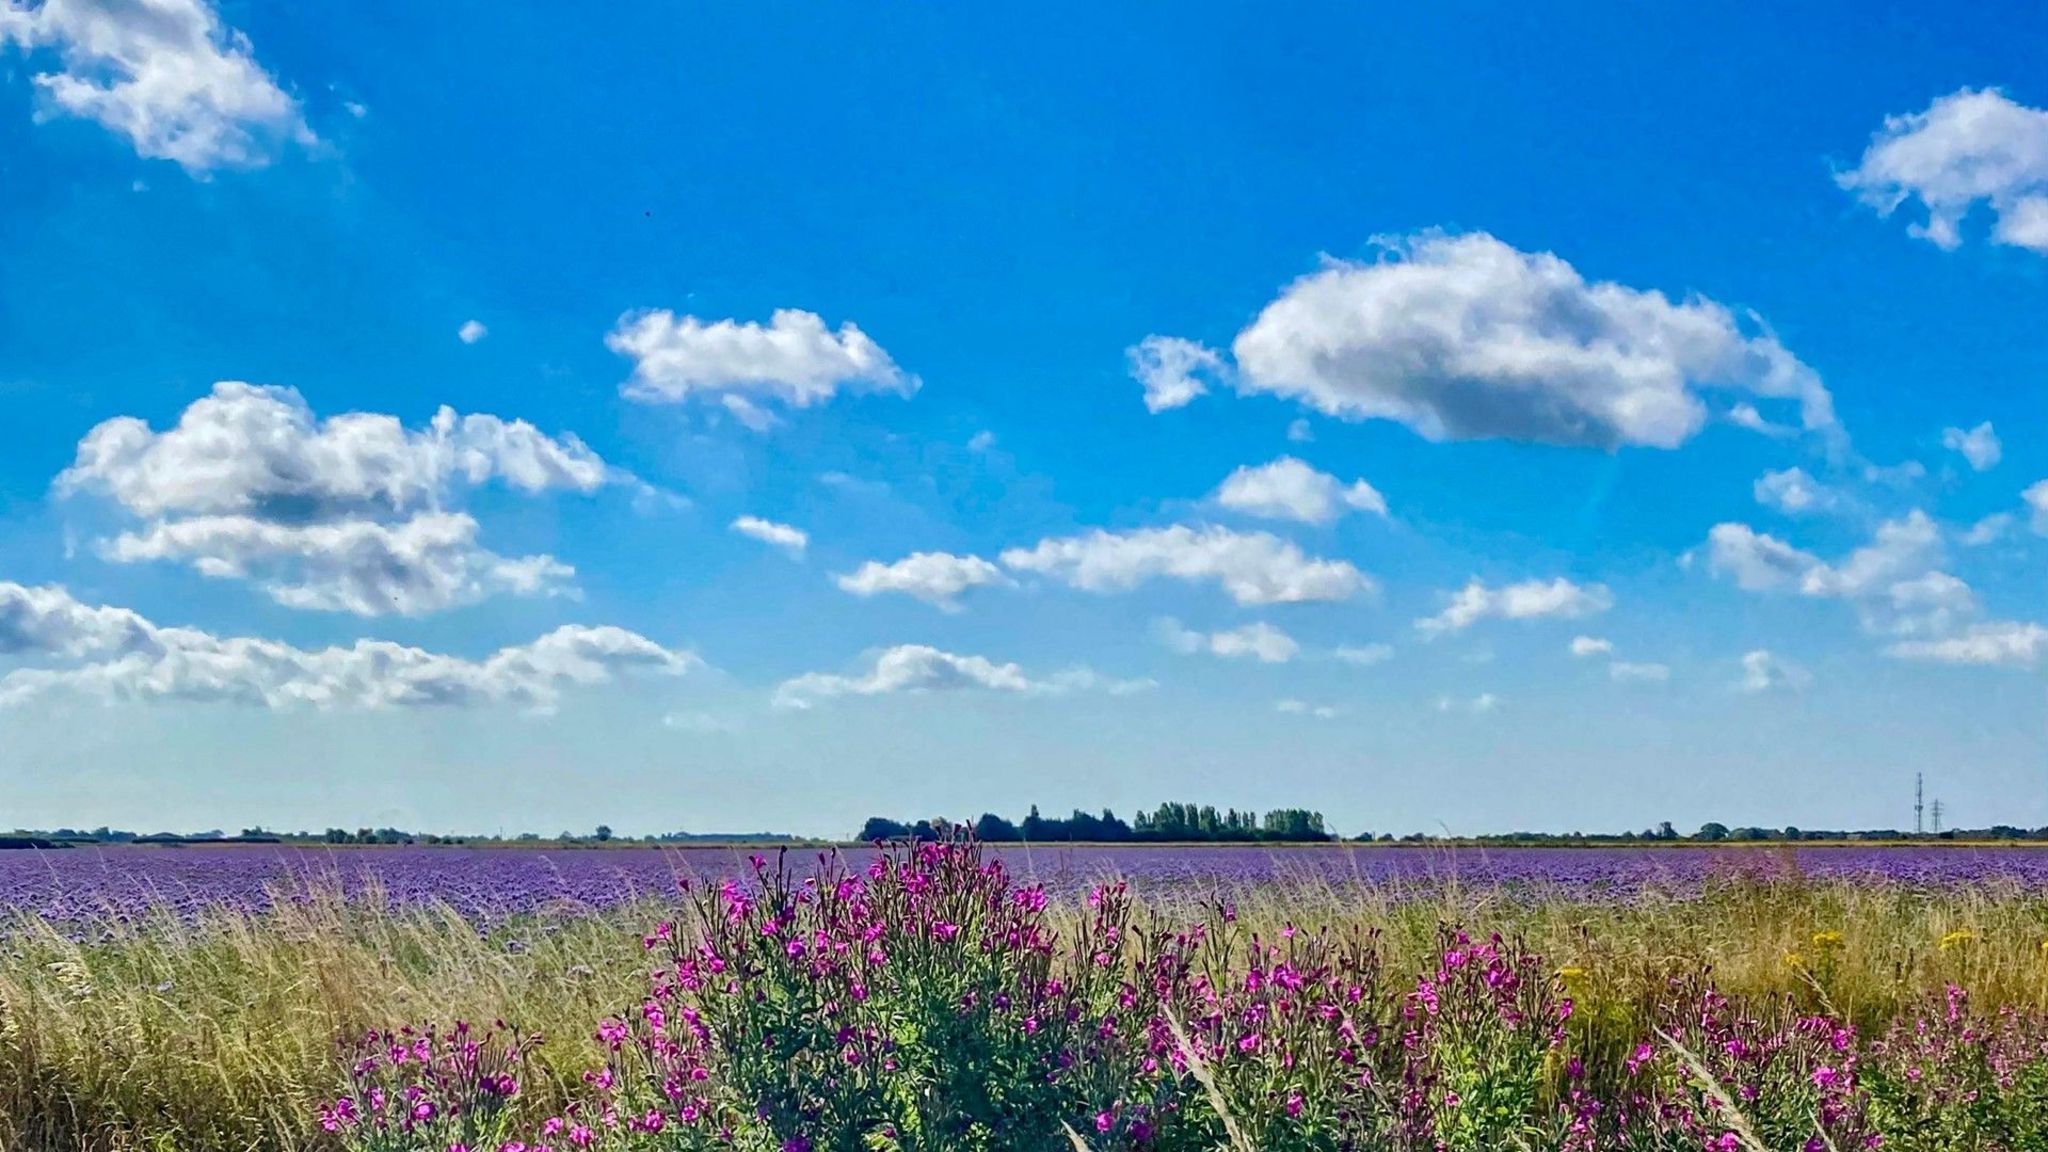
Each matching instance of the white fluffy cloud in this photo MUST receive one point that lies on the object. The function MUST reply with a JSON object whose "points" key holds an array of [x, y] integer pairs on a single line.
{"points": [[1901, 476], [1173, 371], [2007, 643], [793, 359], [116, 654], [1252, 567], [1895, 581], [47, 621], [1304, 708], [699, 723], [166, 74], [1363, 655], [1989, 530], [1979, 446], [471, 331], [1795, 493], [1758, 562], [1745, 415], [259, 450], [1931, 604], [922, 668], [1258, 641], [2036, 497], [1463, 337], [937, 578], [1288, 489], [1763, 671], [789, 539], [424, 564], [1530, 600], [751, 416], [1624, 671], [1479, 705], [1631, 672], [342, 514], [1970, 147]]}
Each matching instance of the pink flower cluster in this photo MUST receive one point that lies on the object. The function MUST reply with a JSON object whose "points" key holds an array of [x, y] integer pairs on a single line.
{"points": [[424, 1089]]}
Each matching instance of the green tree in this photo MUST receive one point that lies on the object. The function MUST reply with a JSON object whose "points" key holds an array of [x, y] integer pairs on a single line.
{"points": [[993, 829], [882, 828]]}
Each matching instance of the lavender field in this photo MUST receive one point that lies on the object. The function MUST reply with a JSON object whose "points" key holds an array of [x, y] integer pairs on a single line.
{"points": [[490, 884]]}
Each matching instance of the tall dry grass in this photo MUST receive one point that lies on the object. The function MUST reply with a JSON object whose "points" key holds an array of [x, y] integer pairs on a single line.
{"points": [[1864, 951], [223, 1034]]}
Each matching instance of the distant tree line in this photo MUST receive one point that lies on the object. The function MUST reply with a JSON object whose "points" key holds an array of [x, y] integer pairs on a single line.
{"points": [[602, 834], [1714, 832], [382, 836], [1169, 823]]}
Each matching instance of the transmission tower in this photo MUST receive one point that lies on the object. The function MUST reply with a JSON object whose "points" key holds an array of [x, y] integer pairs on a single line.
{"points": [[1937, 815], [1919, 805]]}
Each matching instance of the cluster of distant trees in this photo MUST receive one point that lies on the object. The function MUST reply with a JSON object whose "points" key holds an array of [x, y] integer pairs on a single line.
{"points": [[602, 834], [106, 835], [1189, 823], [102, 834], [1714, 832], [381, 836], [1169, 823]]}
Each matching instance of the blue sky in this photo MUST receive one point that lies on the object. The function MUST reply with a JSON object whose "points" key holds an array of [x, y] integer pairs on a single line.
{"points": [[1449, 419]]}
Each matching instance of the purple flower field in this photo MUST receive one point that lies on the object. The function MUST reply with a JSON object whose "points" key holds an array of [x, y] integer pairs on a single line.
{"points": [[490, 883]]}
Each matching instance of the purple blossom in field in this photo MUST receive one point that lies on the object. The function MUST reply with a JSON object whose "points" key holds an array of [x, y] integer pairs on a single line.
{"points": [[423, 1088]]}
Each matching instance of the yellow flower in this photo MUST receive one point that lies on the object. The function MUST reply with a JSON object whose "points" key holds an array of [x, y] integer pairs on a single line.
{"points": [[2044, 945], [1827, 939], [1571, 974], [1957, 939], [1795, 960]]}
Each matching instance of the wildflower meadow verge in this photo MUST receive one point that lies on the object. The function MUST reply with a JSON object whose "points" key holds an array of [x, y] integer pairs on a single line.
{"points": [[922, 998]]}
